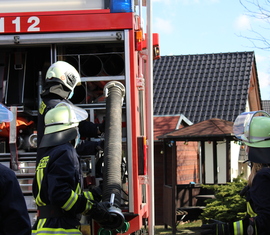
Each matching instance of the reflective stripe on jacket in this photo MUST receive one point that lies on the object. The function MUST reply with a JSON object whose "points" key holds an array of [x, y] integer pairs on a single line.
{"points": [[250, 210]]}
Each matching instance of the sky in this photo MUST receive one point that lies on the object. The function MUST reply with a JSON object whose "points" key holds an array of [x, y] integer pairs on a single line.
{"points": [[211, 26]]}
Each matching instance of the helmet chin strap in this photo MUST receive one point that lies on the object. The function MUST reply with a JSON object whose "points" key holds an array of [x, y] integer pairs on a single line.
{"points": [[77, 139], [70, 95]]}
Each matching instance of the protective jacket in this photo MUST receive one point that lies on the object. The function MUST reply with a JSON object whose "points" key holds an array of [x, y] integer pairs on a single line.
{"points": [[57, 191], [258, 207], [14, 218], [259, 198]]}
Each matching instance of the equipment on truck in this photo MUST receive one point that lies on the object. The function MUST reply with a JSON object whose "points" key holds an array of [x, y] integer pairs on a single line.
{"points": [[106, 42]]}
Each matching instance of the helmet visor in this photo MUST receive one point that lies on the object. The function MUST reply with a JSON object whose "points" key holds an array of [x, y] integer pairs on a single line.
{"points": [[79, 113], [241, 126], [5, 114]]}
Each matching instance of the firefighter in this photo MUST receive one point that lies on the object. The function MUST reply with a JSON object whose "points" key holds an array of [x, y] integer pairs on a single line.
{"points": [[252, 129], [60, 82], [14, 218], [57, 182]]}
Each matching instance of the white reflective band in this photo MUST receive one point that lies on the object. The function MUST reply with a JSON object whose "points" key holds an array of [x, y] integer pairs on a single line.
{"points": [[258, 139]]}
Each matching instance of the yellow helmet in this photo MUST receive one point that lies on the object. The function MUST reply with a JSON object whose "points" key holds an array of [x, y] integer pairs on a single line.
{"points": [[61, 124]]}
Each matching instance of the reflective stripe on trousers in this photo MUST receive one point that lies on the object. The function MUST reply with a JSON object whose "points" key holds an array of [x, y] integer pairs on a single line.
{"points": [[53, 231]]}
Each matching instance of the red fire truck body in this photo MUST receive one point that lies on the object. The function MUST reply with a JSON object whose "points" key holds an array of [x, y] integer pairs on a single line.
{"points": [[103, 46]]}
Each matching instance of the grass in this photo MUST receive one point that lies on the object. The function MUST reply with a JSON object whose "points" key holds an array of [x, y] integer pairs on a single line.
{"points": [[183, 228]]}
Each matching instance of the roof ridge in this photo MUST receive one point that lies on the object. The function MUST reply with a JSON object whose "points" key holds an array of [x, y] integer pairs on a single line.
{"points": [[213, 53]]}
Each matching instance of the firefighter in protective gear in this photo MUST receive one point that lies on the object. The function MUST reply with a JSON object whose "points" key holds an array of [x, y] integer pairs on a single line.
{"points": [[60, 82], [57, 182], [14, 218], [252, 129]]}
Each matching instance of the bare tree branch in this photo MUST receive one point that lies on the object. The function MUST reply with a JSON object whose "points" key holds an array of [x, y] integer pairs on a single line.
{"points": [[260, 10]]}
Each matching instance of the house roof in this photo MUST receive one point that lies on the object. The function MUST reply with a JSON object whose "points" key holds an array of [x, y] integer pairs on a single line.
{"points": [[266, 105], [165, 124], [203, 86], [211, 129]]}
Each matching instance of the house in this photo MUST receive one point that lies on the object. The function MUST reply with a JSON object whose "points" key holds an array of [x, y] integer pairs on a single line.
{"points": [[198, 87], [266, 105]]}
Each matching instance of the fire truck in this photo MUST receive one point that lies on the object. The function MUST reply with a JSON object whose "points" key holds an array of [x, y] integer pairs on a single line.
{"points": [[111, 44]]}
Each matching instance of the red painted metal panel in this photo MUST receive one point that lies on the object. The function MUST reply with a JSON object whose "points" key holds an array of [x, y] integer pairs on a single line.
{"points": [[64, 21], [134, 128]]}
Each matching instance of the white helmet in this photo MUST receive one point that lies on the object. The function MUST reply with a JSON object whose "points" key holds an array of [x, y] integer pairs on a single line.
{"points": [[61, 124], [64, 73]]}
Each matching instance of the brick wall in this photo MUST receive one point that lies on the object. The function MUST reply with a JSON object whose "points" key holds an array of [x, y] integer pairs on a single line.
{"points": [[187, 162]]}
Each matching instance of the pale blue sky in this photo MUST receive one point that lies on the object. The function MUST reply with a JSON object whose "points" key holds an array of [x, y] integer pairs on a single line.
{"points": [[209, 26]]}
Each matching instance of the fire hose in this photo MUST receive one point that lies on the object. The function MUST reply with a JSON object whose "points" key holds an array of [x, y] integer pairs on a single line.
{"points": [[114, 92]]}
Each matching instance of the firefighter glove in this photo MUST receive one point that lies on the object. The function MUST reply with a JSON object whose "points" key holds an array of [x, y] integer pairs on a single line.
{"points": [[96, 192], [100, 212]]}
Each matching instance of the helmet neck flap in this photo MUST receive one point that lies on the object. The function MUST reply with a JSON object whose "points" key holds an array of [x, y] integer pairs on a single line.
{"points": [[259, 155], [58, 138], [56, 89]]}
